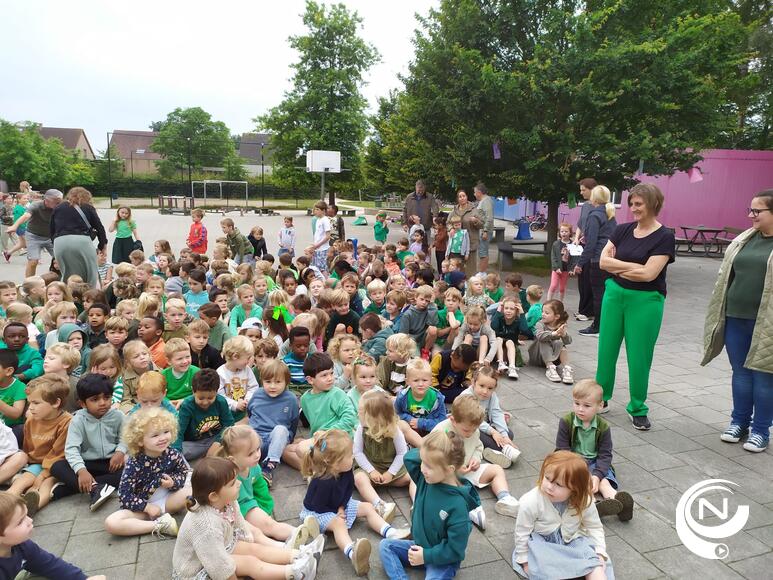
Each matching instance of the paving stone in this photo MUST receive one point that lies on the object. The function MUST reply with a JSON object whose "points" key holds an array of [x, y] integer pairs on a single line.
{"points": [[88, 551], [155, 559], [633, 478], [713, 442], [764, 535], [127, 572], [53, 537], [704, 414], [479, 549], [761, 463], [754, 568], [290, 505], [710, 462], [650, 457], [679, 562], [627, 562], [87, 521], [63, 510], [535, 448], [671, 442], [645, 531], [497, 569]]}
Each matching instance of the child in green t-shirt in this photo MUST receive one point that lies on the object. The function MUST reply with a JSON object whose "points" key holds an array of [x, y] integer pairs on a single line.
{"points": [[494, 291], [419, 406], [12, 395], [179, 374]]}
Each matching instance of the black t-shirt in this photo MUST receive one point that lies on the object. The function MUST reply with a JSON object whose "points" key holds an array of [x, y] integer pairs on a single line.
{"points": [[638, 250]]}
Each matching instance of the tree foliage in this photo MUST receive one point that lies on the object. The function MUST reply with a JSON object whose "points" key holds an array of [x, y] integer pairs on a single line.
{"points": [[191, 136], [566, 89], [324, 109]]}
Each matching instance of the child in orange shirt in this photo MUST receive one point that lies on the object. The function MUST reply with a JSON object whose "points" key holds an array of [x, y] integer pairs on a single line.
{"points": [[197, 236], [149, 332]]}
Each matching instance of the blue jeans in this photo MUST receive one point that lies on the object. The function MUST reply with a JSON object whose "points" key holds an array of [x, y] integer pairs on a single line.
{"points": [[394, 558], [274, 443], [752, 390]]}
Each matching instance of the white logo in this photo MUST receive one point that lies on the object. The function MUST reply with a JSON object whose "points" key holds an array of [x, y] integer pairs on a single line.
{"points": [[443, 514], [689, 530]]}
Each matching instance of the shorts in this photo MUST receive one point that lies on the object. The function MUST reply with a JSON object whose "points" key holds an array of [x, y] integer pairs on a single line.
{"points": [[320, 260], [33, 468], [35, 244], [324, 519], [483, 247], [159, 498], [474, 476], [610, 476]]}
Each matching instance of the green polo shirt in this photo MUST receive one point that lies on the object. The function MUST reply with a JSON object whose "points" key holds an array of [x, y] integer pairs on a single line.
{"points": [[585, 439]]}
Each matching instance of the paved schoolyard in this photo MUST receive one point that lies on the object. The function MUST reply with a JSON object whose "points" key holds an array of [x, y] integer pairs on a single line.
{"points": [[689, 409]]}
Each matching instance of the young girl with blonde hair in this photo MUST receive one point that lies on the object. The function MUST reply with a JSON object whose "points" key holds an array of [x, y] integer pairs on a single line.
{"points": [[328, 498], [379, 450], [137, 361], [343, 349], [391, 369], [551, 338], [558, 529]]}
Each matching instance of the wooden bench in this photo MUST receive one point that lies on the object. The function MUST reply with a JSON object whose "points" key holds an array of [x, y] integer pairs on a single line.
{"points": [[265, 211], [347, 212], [171, 204], [507, 249]]}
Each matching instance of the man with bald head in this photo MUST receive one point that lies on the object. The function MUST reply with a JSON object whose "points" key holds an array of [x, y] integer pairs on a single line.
{"points": [[38, 236]]}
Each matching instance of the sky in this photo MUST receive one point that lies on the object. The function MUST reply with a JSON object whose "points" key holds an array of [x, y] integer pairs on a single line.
{"points": [[103, 66]]}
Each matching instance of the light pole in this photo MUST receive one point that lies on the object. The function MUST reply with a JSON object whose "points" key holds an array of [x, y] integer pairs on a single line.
{"points": [[131, 159], [190, 182], [262, 177]]}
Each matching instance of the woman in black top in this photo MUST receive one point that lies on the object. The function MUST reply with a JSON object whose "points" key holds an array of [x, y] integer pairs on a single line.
{"points": [[72, 225], [636, 256]]}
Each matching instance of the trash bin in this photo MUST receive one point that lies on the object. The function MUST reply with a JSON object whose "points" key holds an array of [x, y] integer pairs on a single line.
{"points": [[523, 230]]}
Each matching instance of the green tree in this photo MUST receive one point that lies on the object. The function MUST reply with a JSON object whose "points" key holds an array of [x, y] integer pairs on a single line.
{"points": [[234, 168], [566, 89], [113, 172], [324, 109], [190, 136]]}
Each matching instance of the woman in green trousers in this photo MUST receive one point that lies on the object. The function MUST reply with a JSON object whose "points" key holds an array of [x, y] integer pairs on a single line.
{"points": [[636, 256]]}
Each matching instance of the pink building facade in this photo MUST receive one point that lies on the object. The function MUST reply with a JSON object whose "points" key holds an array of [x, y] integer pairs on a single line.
{"points": [[716, 197]]}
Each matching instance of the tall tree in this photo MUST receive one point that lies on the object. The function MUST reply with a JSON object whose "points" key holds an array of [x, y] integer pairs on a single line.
{"points": [[190, 136], [568, 89], [324, 109]]}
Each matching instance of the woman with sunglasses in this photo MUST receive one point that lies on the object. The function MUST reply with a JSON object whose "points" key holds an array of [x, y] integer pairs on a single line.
{"points": [[740, 318]]}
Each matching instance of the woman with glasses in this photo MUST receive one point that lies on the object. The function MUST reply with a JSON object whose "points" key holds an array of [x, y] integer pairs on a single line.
{"points": [[740, 318]]}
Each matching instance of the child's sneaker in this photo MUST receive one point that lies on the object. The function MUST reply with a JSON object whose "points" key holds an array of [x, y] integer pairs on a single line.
{"points": [[568, 375], [478, 517], [507, 506], [307, 531], [303, 568], [314, 548], [386, 509], [502, 367], [165, 526], [425, 354], [497, 458], [32, 501], [100, 493], [268, 473], [627, 512], [512, 372], [734, 434], [756, 443], [361, 556], [552, 374], [398, 533]]}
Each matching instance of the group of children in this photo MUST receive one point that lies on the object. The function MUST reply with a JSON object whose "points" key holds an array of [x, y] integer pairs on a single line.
{"points": [[361, 370]]}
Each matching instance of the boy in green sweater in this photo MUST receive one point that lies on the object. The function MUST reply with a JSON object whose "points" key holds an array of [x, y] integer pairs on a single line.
{"points": [[440, 523], [240, 246], [203, 417], [179, 374], [30, 363], [381, 228], [245, 309]]}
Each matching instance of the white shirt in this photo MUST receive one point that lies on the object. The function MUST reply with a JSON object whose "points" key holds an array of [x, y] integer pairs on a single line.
{"points": [[323, 227], [8, 443], [237, 386]]}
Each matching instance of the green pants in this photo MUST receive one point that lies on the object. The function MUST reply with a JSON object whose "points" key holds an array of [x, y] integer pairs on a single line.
{"points": [[636, 316]]}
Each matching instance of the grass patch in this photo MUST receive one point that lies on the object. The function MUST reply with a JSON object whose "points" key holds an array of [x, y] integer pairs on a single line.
{"points": [[534, 265]]}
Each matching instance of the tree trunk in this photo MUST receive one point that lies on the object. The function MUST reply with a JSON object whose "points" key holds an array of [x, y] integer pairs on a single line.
{"points": [[552, 225]]}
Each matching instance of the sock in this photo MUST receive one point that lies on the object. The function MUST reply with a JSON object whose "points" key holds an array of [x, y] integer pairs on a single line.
{"points": [[349, 550], [377, 501], [385, 530], [503, 494]]}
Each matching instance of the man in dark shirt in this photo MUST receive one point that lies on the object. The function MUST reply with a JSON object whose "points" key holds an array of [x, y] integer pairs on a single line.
{"points": [[38, 235]]}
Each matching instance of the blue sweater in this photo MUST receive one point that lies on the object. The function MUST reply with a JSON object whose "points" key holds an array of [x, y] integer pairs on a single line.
{"points": [[326, 495], [436, 415], [266, 412], [32, 558], [596, 232]]}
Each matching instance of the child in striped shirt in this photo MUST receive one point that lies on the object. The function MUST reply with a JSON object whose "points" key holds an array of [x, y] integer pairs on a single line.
{"points": [[300, 339]]}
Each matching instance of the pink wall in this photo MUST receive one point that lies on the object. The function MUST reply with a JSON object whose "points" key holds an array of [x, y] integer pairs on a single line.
{"points": [[730, 180]]}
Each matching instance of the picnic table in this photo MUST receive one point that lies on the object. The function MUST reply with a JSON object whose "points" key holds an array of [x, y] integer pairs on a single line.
{"points": [[704, 235]]}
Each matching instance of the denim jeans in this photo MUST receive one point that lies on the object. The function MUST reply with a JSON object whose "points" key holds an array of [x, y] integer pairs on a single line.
{"points": [[394, 558], [274, 443], [752, 390]]}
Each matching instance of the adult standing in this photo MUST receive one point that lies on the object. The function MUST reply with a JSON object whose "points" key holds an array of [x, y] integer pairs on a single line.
{"points": [[472, 221], [598, 227], [740, 317], [72, 225], [585, 308], [486, 209], [38, 221], [425, 206], [637, 255]]}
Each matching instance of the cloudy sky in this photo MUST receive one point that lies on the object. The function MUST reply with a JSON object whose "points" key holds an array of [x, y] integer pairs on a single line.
{"points": [[121, 65]]}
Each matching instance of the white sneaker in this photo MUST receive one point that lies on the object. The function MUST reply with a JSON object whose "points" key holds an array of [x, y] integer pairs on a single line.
{"points": [[497, 458], [512, 373], [304, 568], [502, 367], [165, 526], [314, 548], [507, 506], [386, 509], [399, 533], [581, 317], [361, 556], [511, 452], [568, 375], [478, 517], [304, 533], [552, 374]]}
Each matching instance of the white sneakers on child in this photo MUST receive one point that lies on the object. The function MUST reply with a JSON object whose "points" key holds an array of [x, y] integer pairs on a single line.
{"points": [[552, 374], [304, 567], [478, 517], [313, 548], [304, 533], [504, 458], [386, 510], [512, 372], [164, 526], [361, 556], [568, 375], [507, 506]]}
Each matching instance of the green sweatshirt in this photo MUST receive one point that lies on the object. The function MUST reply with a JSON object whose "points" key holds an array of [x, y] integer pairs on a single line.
{"points": [[239, 244], [329, 410], [197, 423], [254, 493], [177, 389], [440, 523], [218, 334], [30, 363], [238, 316]]}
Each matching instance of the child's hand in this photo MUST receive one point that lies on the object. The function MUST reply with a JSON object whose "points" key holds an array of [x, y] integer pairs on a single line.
{"points": [[166, 482], [85, 480], [500, 439], [464, 469], [176, 404], [342, 513], [474, 464], [525, 567], [414, 423], [348, 370], [39, 481], [416, 556], [594, 484], [386, 478], [117, 461], [152, 510], [375, 476], [241, 405]]}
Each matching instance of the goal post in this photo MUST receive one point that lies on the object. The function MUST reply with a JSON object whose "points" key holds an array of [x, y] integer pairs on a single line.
{"points": [[214, 187]]}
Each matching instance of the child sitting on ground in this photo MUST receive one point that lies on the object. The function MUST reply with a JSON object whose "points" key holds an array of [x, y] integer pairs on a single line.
{"points": [[13, 398], [151, 393], [202, 417], [534, 313], [215, 541], [137, 362], [377, 296], [95, 329], [375, 331], [211, 313], [450, 319], [343, 349], [179, 374], [11, 458], [329, 497], [174, 316], [45, 433], [477, 332], [587, 434], [94, 453], [465, 419], [508, 323], [558, 523], [495, 435], [149, 331], [450, 370], [299, 342], [550, 341], [391, 370], [475, 294], [153, 481], [245, 309], [440, 522], [203, 355], [237, 381], [363, 377], [419, 406], [343, 320], [16, 339], [420, 321]]}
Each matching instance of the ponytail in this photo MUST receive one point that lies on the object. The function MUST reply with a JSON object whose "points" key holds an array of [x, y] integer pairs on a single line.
{"points": [[610, 208]]}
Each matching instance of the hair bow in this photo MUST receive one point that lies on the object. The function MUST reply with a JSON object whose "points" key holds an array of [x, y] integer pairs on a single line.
{"points": [[280, 310]]}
